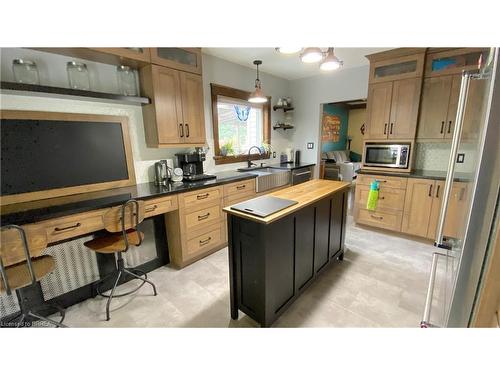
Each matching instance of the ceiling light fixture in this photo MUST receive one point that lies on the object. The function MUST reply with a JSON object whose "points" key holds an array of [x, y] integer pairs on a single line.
{"points": [[257, 96], [331, 62], [311, 55], [288, 50]]}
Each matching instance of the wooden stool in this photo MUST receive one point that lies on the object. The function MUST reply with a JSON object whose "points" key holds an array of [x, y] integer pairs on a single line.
{"points": [[21, 270], [122, 223]]}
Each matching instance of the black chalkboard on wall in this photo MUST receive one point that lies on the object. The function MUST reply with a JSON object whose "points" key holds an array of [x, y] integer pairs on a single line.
{"points": [[40, 155]]}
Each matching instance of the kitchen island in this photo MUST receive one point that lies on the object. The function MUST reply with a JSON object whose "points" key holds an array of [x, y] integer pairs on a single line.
{"points": [[273, 259]]}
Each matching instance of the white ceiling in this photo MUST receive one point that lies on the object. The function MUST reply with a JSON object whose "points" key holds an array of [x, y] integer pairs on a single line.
{"points": [[289, 66]]}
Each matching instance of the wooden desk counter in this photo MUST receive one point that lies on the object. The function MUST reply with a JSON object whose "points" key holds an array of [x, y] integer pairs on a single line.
{"points": [[272, 260], [305, 194]]}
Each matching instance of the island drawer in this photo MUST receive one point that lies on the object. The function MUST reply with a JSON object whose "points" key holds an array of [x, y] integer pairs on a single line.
{"points": [[205, 242], [240, 187], [385, 181], [204, 216], [388, 199], [199, 196], [73, 225], [381, 219], [160, 205]]}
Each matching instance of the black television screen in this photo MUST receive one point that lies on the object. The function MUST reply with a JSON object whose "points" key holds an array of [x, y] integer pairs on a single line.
{"points": [[46, 154]]}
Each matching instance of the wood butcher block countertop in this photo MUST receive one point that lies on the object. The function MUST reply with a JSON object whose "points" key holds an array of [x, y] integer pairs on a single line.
{"points": [[305, 194]]}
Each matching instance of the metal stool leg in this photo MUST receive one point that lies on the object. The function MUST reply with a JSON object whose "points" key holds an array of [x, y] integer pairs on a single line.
{"points": [[144, 279], [108, 304], [45, 319]]}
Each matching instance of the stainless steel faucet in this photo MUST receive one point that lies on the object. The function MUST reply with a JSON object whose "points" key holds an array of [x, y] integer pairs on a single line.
{"points": [[250, 164]]}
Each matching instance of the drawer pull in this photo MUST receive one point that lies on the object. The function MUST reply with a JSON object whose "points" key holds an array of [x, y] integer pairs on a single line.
{"points": [[437, 191], [377, 217], [205, 241], [202, 196], [430, 190], [203, 217], [381, 197], [385, 128], [240, 187], [383, 181], [449, 127], [442, 127], [392, 124], [57, 229], [181, 131], [150, 209]]}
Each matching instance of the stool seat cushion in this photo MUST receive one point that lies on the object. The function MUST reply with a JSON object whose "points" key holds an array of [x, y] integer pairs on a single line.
{"points": [[18, 275], [114, 243]]}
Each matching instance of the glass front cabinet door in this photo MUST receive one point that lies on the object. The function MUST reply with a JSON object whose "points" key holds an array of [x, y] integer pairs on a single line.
{"points": [[185, 59]]}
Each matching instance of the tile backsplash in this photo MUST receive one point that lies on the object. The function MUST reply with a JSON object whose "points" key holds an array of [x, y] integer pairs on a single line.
{"points": [[434, 157]]}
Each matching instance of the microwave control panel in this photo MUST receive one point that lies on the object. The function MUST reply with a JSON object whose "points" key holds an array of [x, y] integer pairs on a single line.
{"points": [[403, 155]]}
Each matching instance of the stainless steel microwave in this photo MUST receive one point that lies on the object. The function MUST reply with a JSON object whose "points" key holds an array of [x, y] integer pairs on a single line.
{"points": [[386, 155]]}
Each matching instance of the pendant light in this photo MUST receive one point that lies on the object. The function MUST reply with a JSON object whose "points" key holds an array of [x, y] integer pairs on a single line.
{"points": [[257, 96], [311, 55], [331, 62]]}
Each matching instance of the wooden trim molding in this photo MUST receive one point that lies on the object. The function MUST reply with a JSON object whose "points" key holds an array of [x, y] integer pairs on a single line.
{"points": [[57, 116], [219, 90]]}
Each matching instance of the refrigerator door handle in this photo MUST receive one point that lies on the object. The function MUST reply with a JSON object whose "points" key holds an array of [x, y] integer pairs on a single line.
{"points": [[425, 323], [457, 133]]}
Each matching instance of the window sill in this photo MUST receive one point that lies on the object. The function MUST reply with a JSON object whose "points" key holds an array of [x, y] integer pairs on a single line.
{"points": [[219, 159]]}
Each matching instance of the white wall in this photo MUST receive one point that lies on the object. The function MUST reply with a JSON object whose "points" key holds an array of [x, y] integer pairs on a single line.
{"points": [[222, 72], [52, 71], [311, 92]]}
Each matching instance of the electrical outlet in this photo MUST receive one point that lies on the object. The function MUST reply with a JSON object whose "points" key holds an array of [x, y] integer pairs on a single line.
{"points": [[460, 158], [274, 154], [310, 145]]}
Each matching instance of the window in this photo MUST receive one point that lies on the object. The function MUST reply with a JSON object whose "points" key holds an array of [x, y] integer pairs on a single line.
{"points": [[238, 125]]}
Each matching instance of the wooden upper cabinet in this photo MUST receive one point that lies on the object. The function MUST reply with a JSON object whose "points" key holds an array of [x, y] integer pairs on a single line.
{"points": [[434, 107], [175, 116], [192, 108], [446, 61], [185, 59], [404, 108], [396, 64], [418, 206], [132, 53], [378, 110]]}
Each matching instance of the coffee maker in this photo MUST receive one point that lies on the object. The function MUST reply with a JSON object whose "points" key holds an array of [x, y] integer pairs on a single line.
{"points": [[192, 165]]}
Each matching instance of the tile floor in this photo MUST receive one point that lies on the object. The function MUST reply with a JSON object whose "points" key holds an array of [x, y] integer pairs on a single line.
{"points": [[381, 283]]}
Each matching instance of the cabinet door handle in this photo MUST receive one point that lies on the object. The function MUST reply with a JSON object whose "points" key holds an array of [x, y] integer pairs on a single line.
{"points": [[187, 130], [462, 193], [181, 130], [449, 127], [202, 196], [392, 124], [437, 191], [152, 208], [57, 229], [240, 187], [442, 127], [377, 217], [205, 241], [381, 197], [203, 217], [430, 190], [385, 128]]}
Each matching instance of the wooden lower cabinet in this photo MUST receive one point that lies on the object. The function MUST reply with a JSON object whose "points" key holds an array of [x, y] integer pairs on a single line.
{"points": [[199, 226], [413, 209]]}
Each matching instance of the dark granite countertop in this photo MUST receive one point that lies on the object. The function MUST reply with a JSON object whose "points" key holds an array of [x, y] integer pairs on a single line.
{"points": [[290, 166], [33, 211], [419, 173]]}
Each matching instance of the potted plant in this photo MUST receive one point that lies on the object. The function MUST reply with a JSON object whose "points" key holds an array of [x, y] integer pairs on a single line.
{"points": [[227, 148]]}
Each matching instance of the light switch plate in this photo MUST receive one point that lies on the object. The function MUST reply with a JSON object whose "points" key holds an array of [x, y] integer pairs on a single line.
{"points": [[460, 158], [310, 145]]}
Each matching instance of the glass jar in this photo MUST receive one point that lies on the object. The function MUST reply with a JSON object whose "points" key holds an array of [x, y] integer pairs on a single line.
{"points": [[78, 75], [126, 80], [25, 71]]}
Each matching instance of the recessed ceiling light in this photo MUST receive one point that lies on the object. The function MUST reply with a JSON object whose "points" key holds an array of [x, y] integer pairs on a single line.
{"points": [[331, 62], [311, 55], [288, 50]]}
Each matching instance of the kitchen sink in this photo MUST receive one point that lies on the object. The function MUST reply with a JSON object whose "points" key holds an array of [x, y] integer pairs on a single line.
{"points": [[268, 178]]}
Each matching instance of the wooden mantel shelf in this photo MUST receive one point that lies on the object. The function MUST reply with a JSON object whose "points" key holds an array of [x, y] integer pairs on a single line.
{"points": [[305, 194], [66, 93]]}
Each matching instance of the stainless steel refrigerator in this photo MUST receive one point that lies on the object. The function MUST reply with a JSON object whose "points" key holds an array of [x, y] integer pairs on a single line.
{"points": [[458, 263]]}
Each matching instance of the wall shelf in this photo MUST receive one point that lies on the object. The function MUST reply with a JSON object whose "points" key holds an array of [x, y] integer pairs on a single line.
{"points": [[282, 126], [66, 93], [285, 109]]}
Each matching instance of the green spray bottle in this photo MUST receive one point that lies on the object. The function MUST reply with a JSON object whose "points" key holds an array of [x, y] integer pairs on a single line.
{"points": [[371, 202]]}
